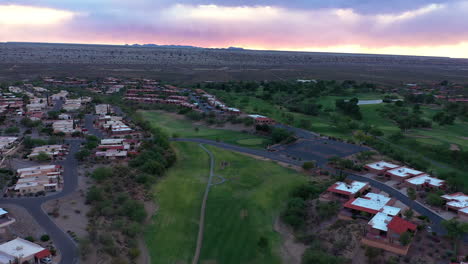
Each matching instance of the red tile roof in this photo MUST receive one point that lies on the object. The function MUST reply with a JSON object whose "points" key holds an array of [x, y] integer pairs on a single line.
{"points": [[42, 254], [400, 225]]}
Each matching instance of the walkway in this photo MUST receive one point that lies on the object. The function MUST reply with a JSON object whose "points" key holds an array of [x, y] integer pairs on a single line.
{"points": [[201, 224]]}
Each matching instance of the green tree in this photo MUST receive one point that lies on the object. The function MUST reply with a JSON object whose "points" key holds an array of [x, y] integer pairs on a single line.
{"points": [[42, 156], [412, 193], [455, 230], [405, 238], [82, 154], [409, 214], [435, 199], [308, 165], [102, 173]]}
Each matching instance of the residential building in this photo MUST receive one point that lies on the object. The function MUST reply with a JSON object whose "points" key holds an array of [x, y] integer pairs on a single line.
{"points": [[371, 203], [64, 117], [72, 104], [5, 220], [425, 181], [7, 143], [117, 148], [262, 120], [380, 167], [53, 151], [65, 126], [402, 173], [345, 191], [36, 179], [62, 95], [384, 231], [19, 250], [457, 202], [103, 109]]}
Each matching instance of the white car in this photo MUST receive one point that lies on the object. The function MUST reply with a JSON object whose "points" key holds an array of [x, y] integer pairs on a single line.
{"points": [[46, 261]]}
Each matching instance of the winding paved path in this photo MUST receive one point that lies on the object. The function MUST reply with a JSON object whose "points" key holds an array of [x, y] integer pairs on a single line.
{"points": [[201, 223]]}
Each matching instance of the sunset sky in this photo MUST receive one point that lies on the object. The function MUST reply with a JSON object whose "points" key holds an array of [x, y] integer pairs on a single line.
{"points": [[416, 27]]}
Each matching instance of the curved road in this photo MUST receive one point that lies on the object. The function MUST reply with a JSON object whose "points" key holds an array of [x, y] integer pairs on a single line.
{"points": [[62, 241], [416, 206]]}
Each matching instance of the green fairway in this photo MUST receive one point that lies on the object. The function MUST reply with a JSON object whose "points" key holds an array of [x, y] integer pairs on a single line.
{"points": [[187, 129], [242, 210], [171, 238], [239, 212]]}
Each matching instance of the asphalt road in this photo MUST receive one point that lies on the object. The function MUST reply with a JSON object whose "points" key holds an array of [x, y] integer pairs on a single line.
{"points": [[33, 205], [89, 119], [421, 209]]}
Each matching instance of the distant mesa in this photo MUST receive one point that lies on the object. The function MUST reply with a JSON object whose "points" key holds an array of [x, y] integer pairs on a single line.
{"points": [[151, 45]]}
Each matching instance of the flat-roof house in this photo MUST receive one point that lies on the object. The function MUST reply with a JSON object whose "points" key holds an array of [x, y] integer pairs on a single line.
{"points": [[384, 231], [262, 120], [457, 202], [5, 220], [371, 203], [22, 250], [65, 126], [380, 167], [39, 178], [425, 181], [52, 151], [347, 190], [6, 143], [402, 173], [103, 109]]}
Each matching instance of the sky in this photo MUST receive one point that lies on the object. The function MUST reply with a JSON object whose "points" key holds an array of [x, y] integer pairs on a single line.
{"points": [[407, 27]]}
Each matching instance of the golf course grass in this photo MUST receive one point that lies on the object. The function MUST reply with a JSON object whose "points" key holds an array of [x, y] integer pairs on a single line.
{"points": [[185, 128], [171, 238], [239, 211], [242, 211]]}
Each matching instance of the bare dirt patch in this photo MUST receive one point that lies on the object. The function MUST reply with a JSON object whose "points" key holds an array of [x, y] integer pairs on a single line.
{"points": [[69, 212], [244, 213], [25, 224], [454, 147], [291, 251]]}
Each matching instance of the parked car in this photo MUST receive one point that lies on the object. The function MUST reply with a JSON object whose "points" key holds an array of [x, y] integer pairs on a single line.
{"points": [[46, 260]]}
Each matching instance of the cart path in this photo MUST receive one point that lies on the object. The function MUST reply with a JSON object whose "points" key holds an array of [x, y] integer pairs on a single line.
{"points": [[201, 225]]}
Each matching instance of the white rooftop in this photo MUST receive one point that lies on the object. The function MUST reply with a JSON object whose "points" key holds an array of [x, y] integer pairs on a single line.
{"points": [[3, 211], [380, 221], [458, 200], [111, 141], [382, 165], [425, 178], [20, 248], [352, 188], [464, 210], [256, 116], [374, 201], [404, 172], [390, 210], [43, 167]]}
